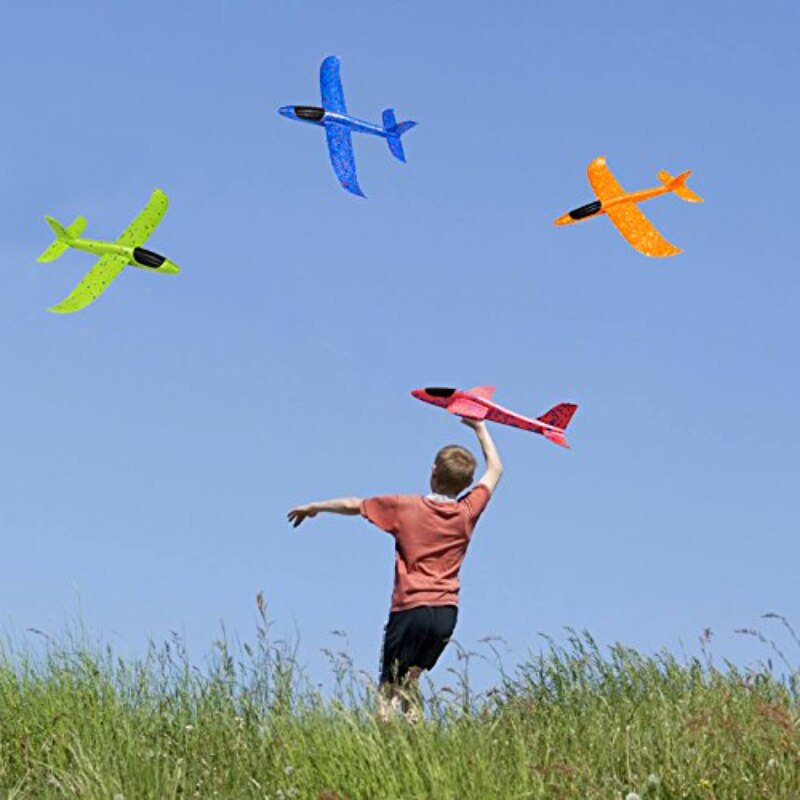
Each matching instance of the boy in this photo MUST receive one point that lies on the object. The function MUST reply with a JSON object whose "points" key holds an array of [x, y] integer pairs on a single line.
{"points": [[431, 534]]}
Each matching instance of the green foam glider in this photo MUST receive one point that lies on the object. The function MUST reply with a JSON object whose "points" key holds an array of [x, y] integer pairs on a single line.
{"points": [[114, 256]]}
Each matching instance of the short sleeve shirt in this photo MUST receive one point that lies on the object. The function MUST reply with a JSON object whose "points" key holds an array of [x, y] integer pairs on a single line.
{"points": [[431, 540]]}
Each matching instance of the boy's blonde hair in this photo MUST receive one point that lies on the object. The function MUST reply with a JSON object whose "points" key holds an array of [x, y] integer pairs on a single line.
{"points": [[454, 470]]}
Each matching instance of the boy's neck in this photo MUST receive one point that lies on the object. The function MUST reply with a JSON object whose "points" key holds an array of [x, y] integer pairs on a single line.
{"points": [[437, 497]]}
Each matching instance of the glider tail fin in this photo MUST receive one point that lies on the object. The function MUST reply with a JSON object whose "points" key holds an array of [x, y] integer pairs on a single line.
{"points": [[395, 131], [64, 237], [559, 418], [678, 185]]}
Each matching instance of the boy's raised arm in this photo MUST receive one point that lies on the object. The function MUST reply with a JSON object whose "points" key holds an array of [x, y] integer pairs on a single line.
{"points": [[494, 466], [339, 505]]}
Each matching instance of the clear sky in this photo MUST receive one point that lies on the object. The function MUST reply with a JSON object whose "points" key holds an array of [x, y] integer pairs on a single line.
{"points": [[152, 444]]}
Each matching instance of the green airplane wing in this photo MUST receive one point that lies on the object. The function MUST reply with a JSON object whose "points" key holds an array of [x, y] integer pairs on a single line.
{"points": [[138, 232], [95, 282]]}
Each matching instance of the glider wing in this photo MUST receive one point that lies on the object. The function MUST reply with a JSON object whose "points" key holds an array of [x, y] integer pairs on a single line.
{"points": [[464, 407], [330, 85], [138, 232], [95, 282], [605, 185], [340, 149], [486, 392], [639, 231]]}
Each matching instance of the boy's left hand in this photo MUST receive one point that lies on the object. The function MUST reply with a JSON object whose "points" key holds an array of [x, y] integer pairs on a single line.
{"points": [[297, 515]]}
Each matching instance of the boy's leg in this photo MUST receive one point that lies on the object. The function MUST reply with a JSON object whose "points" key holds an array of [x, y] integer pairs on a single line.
{"points": [[411, 696], [393, 668], [388, 702], [413, 641], [401, 697], [441, 622]]}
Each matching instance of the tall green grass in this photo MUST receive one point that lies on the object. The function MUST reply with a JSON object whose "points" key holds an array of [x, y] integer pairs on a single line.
{"points": [[573, 722]]}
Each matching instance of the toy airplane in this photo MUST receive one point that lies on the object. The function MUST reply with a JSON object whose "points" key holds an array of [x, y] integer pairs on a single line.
{"points": [[339, 125], [114, 256], [621, 207], [477, 404]]}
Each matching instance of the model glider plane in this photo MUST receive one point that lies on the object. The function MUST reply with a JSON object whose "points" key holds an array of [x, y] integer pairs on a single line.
{"points": [[114, 256], [622, 209], [339, 125], [477, 404]]}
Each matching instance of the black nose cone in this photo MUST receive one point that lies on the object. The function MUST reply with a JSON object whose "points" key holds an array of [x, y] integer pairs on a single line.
{"points": [[589, 210], [312, 113], [147, 258]]}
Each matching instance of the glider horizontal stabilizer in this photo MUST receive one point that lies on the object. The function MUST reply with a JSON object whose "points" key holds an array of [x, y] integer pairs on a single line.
{"points": [[394, 132], [63, 237], [678, 185]]}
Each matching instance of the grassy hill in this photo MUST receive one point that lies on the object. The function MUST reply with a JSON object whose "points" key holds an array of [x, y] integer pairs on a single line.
{"points": [[575, 722]]}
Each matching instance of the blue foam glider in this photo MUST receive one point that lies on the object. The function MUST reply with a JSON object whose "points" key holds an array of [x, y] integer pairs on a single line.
{"points": [[339, 125]]}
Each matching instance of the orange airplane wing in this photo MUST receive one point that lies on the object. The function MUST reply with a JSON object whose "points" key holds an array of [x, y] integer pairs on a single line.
{"points": [[640, 233], [605, 185]]}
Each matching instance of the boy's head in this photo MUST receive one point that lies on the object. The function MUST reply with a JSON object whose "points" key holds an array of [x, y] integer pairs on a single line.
{"points": [[453, 470]]}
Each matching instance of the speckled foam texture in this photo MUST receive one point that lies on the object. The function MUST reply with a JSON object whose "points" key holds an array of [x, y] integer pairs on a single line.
{"points": [[103, 273]]}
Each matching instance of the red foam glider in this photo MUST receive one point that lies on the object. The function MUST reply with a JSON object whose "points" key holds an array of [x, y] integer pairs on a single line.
{"points": [[477, 404]]}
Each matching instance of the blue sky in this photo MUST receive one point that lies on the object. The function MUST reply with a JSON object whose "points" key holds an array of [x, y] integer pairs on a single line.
{"points": [[153, 443]]}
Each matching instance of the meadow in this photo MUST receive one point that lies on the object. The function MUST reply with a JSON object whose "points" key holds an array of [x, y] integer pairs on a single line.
{"points": [[574, 721]]}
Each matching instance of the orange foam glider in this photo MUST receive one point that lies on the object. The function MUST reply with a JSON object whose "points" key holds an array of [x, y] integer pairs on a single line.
{"points": [[621, 207]]}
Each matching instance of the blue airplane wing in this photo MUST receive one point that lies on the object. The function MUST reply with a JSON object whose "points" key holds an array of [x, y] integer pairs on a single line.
{"points": [[340, 148], [330, 85]]}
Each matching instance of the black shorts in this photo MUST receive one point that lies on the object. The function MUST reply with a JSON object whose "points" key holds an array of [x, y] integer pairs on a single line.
{"points": [[415, 638]]}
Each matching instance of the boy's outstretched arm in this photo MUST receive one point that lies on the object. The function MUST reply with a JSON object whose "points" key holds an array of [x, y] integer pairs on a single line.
{"points": [[494, 466], [340, 505]]}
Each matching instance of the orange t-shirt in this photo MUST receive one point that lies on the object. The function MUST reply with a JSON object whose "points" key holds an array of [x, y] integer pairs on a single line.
{"points": [[431, 540]]}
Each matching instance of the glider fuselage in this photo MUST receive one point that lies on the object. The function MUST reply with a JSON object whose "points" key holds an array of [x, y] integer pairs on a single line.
{"points": [[136, 256], [315, 115], [494, 412], [597, 207]]}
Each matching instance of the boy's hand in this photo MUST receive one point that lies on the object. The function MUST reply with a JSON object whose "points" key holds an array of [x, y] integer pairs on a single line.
{"points": [[297, 515], [475, 424]]}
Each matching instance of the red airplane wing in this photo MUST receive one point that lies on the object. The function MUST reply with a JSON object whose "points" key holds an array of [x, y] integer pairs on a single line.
{"points": [[486, 392], [463, 407]]}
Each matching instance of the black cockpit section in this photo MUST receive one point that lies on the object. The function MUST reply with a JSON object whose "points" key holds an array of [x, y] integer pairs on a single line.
{"points": [[589, 210], [312, 113], [147, 258], [439, 391]]}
